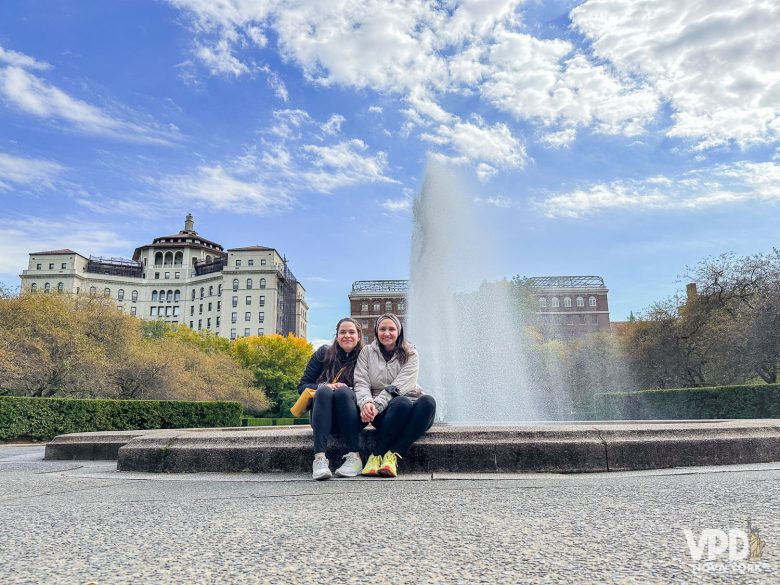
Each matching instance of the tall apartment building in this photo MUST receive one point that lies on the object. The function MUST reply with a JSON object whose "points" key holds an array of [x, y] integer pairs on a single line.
{"points": [[567, 306], [370, 299], [184, 278]]}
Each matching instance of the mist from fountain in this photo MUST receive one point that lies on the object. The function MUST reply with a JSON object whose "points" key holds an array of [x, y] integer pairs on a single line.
{"points": [[472, 351]]}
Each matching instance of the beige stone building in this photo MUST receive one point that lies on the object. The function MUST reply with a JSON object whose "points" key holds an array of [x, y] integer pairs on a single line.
{"points": [[184, 278]]}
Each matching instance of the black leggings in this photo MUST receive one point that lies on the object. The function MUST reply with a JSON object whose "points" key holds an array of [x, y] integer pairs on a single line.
{"points": [[335, 411], [402, 423]]}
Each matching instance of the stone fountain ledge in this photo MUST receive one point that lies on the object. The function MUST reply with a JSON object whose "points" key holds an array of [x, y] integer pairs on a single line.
{"points": [[542, 447]]}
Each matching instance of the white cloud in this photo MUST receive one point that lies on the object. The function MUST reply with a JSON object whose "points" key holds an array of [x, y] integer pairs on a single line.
{"points": [[22, 236], [716, 63], [724, 184], [496, 201], [333, 125], [375, 109], [271, 175], [21, 60], [397, 205], [28, 172], [35, 96]]}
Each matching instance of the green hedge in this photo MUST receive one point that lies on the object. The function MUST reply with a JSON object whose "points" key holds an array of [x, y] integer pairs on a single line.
{"points": [[249, 421], [747, 401], [42, 419]]}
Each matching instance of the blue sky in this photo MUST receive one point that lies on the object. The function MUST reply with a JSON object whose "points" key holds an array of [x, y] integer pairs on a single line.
{"points": [[621, 138]]}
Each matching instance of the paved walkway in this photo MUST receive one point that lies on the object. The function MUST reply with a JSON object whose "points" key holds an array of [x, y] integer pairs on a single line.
{"points": [[84, 522]]}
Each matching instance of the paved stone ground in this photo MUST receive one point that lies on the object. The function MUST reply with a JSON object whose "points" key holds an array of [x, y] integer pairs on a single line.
{"points": [[84, 522]]}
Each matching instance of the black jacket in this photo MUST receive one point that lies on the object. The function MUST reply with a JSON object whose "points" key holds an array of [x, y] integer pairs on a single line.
{"points": [[313, 370]]}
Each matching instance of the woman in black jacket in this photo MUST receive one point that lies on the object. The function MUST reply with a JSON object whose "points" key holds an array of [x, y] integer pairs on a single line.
{"points": [[330, 370]]}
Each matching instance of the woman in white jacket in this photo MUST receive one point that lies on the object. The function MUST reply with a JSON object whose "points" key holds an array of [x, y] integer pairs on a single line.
{"points": [[388, 396]]}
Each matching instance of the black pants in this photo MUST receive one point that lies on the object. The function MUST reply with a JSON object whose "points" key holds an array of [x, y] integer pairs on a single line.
{"points": [[335, 411], [402, 423]]}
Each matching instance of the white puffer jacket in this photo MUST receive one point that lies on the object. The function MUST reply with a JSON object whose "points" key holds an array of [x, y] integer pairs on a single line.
{"points": [[373, 374]]}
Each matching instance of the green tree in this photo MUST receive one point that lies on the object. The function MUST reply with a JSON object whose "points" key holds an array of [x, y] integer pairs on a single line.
{"points": [[277, 363]]}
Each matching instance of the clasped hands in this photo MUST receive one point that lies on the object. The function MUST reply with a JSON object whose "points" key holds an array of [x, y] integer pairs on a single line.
{"points": [[368, 412]]}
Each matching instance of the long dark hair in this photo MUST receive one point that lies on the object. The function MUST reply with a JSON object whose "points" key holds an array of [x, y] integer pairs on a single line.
{"points": [[336, 358], [402, 348]]}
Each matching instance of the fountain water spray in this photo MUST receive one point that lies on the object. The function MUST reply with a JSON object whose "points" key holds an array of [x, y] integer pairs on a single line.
{"points": [[470, 343]]}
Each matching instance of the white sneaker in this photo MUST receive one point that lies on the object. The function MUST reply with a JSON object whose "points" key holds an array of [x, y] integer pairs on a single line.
{"points": [[351, 467], [320, 468]]}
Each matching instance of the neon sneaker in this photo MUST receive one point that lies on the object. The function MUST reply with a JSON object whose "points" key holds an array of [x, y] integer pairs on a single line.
{"points": [[351, 466], [372, 465], [320, 468], [389, 467]]}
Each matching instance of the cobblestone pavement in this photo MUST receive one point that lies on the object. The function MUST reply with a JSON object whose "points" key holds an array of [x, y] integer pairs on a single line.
{"points": [[84, 522]]}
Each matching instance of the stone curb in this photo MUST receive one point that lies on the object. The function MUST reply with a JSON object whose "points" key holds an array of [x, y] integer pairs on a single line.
{"points": [[559, 448]]}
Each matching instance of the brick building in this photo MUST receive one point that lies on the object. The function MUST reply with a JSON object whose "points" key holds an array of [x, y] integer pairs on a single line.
{"points": [[370, 299], [569, 306]]}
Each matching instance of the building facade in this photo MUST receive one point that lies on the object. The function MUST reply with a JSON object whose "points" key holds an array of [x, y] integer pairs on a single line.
{"points": [[370, 299], [567, 306], [184, 279]]}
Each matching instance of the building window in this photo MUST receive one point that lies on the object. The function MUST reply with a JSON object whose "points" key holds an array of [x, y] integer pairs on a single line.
{"points": [[248, 300], [365, 339], [247, 316], [364, 308], [235, 301], [33, 287], [262, 262], [193, 294], [208, 323], [249, 283], [168, 311], [219, 290], [200, 309], [64, 265], [120, 294], [211, 291], [133, 310], [37, 266], [233, 333], [238, 263], [217, 321], [176, 296], [176, 311], [192, 310], [153, 312], [200, 324], [262, 301], [388, 306], [106, 292], [555, 303], [250, 262], [401, 306], [192, 325], [167, 275], [246, 332], [260, 331], [157, 276], [209, 306], [594, 319], [543, 302], [262, 283], [592, 301], [92, 290], [580, 302], [134, 296], [261, 316], [376, 307], [235, 284], [169, 297], [202, 291], [233, 317], [219, 305], [51, 266], [566, 302], [177, 274]]}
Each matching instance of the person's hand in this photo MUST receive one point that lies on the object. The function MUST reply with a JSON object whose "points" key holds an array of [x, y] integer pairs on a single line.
{"points": [[368, 412], [337, 385]]}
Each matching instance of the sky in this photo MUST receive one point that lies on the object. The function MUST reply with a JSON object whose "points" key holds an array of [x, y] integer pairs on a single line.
{"points": [[621, 138]]}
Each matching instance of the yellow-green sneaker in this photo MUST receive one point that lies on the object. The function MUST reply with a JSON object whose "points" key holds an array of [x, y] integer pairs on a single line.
{"points": [[389, 467], [372, 465]]}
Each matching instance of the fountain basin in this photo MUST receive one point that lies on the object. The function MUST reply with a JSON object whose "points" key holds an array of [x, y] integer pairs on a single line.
{"points": [[538, 447]]}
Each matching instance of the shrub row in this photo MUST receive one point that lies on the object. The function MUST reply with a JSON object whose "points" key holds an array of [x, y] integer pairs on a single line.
{"points": [[272, 422], [42, 419], [746, 401]]}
